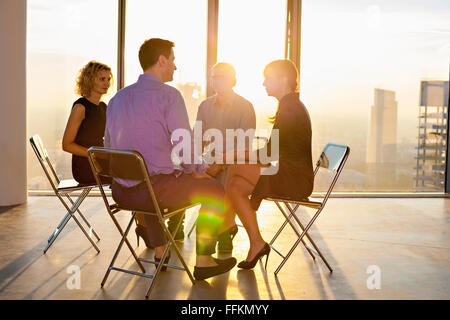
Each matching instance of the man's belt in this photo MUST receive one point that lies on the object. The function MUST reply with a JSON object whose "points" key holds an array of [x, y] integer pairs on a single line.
{"points": [[153, 179], [157, 177]]}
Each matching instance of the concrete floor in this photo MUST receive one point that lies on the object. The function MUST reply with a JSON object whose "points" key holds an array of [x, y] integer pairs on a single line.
{"points": [[406, 240]]}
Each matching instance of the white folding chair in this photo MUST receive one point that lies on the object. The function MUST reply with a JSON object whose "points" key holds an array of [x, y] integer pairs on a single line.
{"points": [[130, 165], [332, 159], [63, 188]]}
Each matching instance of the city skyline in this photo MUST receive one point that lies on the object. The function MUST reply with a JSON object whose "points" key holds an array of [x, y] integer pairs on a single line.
{"points": [[330, 128]]}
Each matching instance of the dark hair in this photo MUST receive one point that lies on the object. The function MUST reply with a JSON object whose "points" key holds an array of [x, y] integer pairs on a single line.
{"points": [[151, 49]]}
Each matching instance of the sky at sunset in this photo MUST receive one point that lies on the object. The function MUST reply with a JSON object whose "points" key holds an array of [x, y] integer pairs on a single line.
{"points": [[349, 48]]}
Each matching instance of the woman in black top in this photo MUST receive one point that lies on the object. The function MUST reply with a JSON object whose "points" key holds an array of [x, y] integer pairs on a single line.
{"points": [[86, 125], [294, 178]]}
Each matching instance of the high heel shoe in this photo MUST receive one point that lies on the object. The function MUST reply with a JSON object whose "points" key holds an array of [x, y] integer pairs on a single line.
{"points": [[166, 261], [141, 232], [225, 239], [251, 264]]}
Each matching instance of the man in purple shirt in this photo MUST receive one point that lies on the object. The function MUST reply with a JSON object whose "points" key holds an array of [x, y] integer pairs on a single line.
{"points": [[142, 117]]}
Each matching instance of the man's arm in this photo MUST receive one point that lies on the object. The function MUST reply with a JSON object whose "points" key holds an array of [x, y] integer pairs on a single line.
{"points": [[177, 118], [201, 118], [247, 121], [107, 138]]}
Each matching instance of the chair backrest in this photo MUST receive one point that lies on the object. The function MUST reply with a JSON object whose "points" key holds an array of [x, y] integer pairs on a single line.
{"points": [[122, 165], [332, 158], [44, 160]]}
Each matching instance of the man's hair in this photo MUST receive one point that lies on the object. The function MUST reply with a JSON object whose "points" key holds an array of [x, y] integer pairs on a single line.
{"points": [[151, 49], [86, 77], [228, 69]]}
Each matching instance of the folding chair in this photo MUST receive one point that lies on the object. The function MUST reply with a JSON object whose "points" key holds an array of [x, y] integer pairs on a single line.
{"points": [[63, 188], [130, 165], [332, 158]]}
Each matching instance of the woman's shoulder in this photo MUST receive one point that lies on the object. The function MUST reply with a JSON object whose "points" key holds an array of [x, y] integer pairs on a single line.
{"points": [[292, 104], [81, 101], [103, 105], [293, 112]]}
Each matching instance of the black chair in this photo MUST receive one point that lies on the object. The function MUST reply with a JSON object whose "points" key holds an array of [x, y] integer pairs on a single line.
{"points": [[332, 159], [130, 166], [63, 188]]}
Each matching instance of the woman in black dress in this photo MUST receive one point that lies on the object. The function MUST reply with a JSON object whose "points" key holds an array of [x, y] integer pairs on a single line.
{"points": [[86, 125], [294, 178]]}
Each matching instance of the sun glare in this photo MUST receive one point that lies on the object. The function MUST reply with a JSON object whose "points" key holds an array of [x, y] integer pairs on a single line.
{"points": [[249, 42]]}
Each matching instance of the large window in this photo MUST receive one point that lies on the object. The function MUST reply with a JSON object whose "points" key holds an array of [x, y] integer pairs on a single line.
{"points": [[184, 23], [362, 64], [367, 69], [252, 34], [62, 37]]}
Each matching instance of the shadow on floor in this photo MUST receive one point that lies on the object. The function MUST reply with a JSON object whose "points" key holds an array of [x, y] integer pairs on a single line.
{"points": [[7, 208]]}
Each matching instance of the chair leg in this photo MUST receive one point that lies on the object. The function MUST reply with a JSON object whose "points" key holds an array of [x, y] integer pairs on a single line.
{"points": [[64, 221], [84, 219], [170, 243], [177, 227], [158, 269], [60, 226], [273, 241], [178, 252], [300, 239], [279, 231], [289, 219], [67, 217], [277, 234], [310, 240], [166, 251], [133, 216], [192, 228], [119, 247], [57, 231], [71, 213]]}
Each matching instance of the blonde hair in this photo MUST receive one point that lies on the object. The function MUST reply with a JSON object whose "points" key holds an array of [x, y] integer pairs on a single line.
{"points": [[283, 68], [86, 77]]}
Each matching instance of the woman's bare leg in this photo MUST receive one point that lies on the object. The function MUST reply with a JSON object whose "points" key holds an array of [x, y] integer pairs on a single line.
{"points": [[240, 185]]}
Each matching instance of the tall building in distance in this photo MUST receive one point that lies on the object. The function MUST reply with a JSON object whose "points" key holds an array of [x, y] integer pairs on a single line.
{"points": [[381, 156], [382, 140], [431, 148]]}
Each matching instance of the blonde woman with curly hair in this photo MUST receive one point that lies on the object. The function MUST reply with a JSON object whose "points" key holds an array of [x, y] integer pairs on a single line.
{"points": [[87, 120]]}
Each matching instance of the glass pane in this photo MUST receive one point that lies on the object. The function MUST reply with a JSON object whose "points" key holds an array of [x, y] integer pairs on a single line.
{"points": [[251, 34], [62, 36], [362, 66], [182, 22]]}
